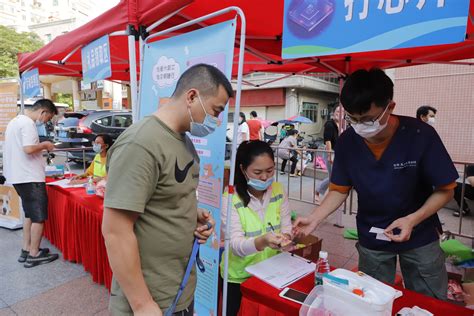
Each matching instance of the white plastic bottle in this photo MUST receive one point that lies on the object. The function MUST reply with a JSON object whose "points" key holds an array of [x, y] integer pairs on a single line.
{"points": [[90, 187], [322, 267]]}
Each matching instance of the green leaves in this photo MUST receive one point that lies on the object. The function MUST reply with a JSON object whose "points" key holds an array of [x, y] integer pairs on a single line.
{"points": [[12, 43]]}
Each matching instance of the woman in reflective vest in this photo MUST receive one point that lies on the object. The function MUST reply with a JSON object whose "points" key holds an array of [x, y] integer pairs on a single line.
{"points": [[97, 170], [260, 216]]}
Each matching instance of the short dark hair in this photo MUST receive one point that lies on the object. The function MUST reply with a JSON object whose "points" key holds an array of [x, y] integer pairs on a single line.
{"points": [[424, 110], [292, 132], [205, 78], [364, 87], [246, 154], [253, 114], [45, 105], [107, 140]]}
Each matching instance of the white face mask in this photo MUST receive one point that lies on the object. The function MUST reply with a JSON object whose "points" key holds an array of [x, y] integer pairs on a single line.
{"points": [[431, 121], [368, 131]]}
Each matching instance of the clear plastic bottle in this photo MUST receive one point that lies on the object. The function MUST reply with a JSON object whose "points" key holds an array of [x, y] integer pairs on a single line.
{"points": [[322, 267], [90, 186]]}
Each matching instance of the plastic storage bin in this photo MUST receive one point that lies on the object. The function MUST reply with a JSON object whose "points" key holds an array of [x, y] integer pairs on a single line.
{"points": [[319, 303], [333, 299]]}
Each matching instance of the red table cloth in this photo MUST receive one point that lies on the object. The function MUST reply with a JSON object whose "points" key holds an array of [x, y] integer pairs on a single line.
{"points": [[259, 298], [74, 227]]}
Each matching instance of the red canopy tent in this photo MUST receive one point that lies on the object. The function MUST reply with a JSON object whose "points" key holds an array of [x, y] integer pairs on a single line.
{"points": [[264, 34], [62, 56], [263, 44]]}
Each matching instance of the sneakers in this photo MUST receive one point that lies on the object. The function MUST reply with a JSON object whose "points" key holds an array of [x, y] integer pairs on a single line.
{"points": [[42, 258], [24, 254]]}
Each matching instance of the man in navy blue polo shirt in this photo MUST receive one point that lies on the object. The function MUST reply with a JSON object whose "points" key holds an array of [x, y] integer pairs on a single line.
{"points": [[402, 174]]}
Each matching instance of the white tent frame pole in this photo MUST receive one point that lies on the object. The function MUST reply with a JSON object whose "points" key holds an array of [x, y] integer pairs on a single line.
{"points": [[141, 47], [63, 61], [22, 98], [163, 19], [133, 76], [240, 71]]}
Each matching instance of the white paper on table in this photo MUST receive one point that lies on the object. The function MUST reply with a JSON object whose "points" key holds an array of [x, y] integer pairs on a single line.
{"points": [[281, 270], [65, 183]]}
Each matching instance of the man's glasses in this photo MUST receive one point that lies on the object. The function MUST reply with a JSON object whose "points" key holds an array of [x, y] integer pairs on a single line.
{"points": [[351, 120]]}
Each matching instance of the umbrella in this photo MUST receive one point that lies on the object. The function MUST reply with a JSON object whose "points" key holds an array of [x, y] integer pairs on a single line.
{"points": [[296, 119], [265, 123]]}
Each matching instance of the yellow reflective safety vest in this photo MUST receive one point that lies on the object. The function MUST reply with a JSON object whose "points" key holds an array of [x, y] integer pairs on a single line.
{"points": [[99, 167], [254, 227]]}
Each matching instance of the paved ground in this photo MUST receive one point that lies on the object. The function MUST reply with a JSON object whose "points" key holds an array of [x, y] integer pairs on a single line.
{"points": [[63, 288]]}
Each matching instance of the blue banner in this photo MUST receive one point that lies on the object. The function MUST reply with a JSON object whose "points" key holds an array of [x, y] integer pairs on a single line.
{"points": [[164, 62], [96, 63], [30, 83], [331, 27]]}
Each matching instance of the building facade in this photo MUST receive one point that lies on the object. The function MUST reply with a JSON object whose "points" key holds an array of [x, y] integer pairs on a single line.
{"points": [[47, 18], [310, 96], [449, 89]]}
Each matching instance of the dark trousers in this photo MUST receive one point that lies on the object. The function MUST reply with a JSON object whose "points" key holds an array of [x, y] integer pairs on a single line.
{"points": [[234, 296], [423, 268], [468, 194], [293, 160]]}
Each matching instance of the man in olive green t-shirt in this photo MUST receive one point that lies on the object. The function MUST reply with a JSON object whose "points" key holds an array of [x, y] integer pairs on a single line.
{"points": [[150, 207]]}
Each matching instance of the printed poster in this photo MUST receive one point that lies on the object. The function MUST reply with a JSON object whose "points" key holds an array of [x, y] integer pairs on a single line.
{"points": [[332, 27], [10, 205], [164, 62]]}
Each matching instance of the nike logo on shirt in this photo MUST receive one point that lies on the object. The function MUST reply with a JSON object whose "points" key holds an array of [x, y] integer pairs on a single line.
{"points": [[179, 174]]}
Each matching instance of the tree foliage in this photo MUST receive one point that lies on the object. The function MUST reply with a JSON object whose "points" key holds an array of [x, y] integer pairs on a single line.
{"points": [[64, 98], [12, 43]]}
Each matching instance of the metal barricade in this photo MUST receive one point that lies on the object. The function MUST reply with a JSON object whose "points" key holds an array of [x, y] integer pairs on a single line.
{"points": [[459, 233]]}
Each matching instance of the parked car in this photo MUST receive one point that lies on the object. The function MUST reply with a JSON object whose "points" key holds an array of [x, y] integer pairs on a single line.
{"points": [[78, 129]]}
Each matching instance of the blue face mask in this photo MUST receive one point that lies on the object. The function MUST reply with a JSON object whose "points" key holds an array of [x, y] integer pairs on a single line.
{"points": [[260, 185], [208, 126], [97, 148]]}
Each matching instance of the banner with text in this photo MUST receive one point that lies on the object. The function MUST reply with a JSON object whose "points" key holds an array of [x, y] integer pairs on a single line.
{"points": [[10, 209], [96, 63], [164, 62], [30, 83], [330, 27]]}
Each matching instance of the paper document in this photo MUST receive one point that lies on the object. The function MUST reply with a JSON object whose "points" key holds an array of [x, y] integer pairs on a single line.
{"points": [[281, 270], [379, 233], [65, 183]]}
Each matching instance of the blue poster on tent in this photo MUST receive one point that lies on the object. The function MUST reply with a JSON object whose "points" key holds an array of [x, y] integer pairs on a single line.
{"points": [[30, 83], [331, 27], [164, 62], [96, 63]]}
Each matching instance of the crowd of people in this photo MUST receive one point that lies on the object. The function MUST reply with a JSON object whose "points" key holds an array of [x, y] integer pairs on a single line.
{"points": [[398, 165]]}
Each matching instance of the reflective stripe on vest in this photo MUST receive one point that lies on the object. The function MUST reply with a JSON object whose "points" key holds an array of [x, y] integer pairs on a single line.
{"points": [[99, 168], [254, 227]]}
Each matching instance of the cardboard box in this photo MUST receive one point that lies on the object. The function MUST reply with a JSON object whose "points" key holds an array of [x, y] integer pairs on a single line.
{"points": [[468, 289], [312, 249]]}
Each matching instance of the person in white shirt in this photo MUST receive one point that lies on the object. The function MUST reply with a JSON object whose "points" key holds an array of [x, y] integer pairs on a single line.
{"points": [[24, 168], [261, 220], [243, 131]]}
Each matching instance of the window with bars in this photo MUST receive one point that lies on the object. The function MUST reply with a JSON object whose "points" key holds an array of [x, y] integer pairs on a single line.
{"points": [[310, 110]]}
